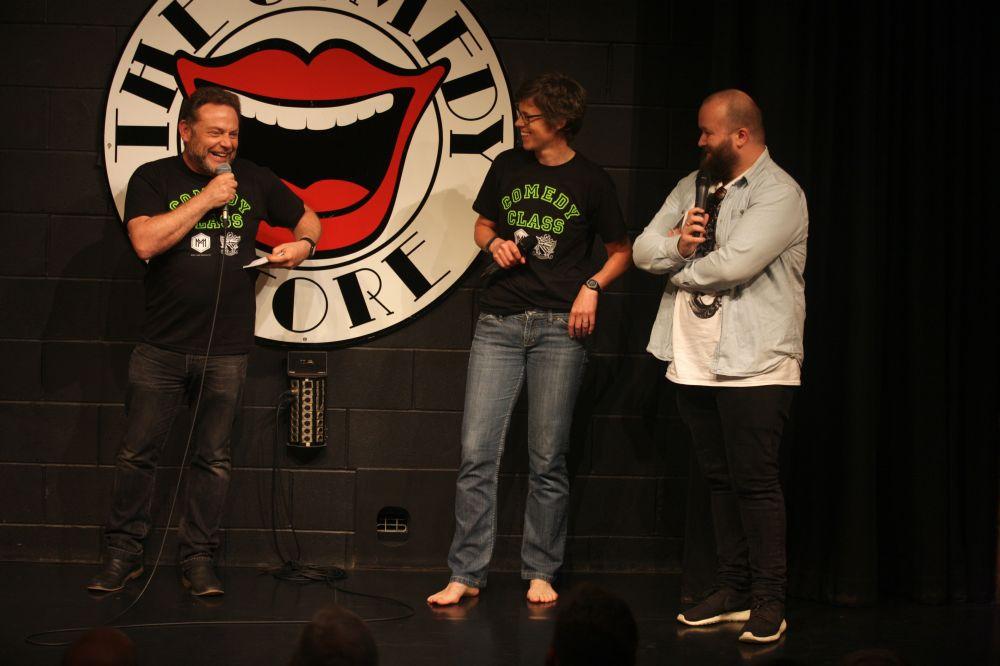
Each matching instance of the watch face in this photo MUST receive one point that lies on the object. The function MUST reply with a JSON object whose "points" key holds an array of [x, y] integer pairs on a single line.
{"points": [[594, 284]]}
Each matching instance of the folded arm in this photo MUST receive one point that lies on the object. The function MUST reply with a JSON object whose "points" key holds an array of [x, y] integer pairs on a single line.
{"points": [[767, 228], [655, 249]]}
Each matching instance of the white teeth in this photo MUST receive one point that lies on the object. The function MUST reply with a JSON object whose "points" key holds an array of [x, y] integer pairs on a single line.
{"points": [[314, 118], [318, 121], [292, 121]]}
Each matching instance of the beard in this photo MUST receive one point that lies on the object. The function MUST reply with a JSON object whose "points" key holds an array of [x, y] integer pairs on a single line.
{"points": [[720, 163], [198, 156]]}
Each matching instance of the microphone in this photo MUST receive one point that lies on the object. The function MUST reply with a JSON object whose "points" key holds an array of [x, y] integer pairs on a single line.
{"points": [[525, 244], [701, 190], [225, 167], [701, 183]]}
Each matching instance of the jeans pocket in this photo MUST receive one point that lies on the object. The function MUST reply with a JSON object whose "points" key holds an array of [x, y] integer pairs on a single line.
{"points": [[487, 317], [154, 367]]}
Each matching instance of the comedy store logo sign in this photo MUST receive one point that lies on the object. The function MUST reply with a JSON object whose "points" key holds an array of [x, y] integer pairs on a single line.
{"points": [[382, 115]]}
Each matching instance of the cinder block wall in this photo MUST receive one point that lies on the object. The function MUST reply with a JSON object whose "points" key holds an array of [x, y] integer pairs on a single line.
{"points": [[71, 303]]}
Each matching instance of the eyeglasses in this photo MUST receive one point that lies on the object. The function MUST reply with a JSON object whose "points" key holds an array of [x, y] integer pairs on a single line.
{"points": [[527, 118]]}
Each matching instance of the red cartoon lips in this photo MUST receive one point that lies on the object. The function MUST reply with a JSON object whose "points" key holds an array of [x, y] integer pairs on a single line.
{"points": [[334, 125]]}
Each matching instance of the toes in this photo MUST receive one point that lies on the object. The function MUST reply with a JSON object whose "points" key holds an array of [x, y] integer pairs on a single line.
{"points": [[541, 593]]}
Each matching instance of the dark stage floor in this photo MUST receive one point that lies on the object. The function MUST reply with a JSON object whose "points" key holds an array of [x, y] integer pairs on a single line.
{"points": [[498, 628]]}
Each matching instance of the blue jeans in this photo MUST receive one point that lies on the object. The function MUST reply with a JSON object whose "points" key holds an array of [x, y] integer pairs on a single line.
{"points": [[506, 350], [158, 381]]}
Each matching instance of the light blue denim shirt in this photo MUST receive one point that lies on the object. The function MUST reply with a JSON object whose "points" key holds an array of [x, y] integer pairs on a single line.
{"points": [[756, 268]]}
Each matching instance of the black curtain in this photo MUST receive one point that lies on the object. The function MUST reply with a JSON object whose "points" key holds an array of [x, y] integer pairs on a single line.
{"points": [[885, 113]]}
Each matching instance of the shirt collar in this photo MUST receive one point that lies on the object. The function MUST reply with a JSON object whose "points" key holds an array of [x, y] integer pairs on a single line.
{"points": [[752, 171]]}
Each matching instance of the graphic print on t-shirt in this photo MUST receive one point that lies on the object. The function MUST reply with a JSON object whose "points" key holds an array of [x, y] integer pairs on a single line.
{"points": [[546, 247], [229, 243], [237, 207], [564, 207], [521, 209], [201, 243], [180, 304]]}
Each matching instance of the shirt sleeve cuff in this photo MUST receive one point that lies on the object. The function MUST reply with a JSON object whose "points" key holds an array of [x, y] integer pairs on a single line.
{"points": [[672, 253]]}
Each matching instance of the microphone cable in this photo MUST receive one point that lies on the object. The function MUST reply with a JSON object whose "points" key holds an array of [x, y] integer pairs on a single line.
{"points": [[291, 570]]}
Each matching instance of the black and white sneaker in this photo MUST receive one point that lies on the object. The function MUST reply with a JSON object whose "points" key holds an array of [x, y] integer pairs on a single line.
{"points": [[723, 605], [766, 623]]}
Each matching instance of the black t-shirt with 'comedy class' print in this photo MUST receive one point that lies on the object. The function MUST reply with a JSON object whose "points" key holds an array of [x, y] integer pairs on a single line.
{"points": [[181, 283], [563, 207]]}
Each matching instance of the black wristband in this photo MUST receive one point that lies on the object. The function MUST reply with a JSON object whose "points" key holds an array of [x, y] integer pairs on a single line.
{"points": [[486, 248], [312, 244]]}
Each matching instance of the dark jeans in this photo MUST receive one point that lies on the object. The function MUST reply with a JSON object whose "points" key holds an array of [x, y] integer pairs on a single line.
{"points": [[158, 381], [736, 435]]}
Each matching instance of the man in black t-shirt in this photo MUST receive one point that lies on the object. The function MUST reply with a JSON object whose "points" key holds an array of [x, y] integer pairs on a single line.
{"points": [[533, 318], [194, 218]]}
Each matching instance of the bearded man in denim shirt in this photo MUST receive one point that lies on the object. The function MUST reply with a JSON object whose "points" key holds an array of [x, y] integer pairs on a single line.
{"points": [[730, 325]]}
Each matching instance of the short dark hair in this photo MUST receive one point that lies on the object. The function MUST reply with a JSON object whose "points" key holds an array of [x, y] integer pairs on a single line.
{"points": [[558, 97], [336, 637], [594, 627], [207, 95]]}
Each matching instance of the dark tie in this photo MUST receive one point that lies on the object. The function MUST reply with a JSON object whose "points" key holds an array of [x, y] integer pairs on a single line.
{"points": [[712, 209], [701, 309]]}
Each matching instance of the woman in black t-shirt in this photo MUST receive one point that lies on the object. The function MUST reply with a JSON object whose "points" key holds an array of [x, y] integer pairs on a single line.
{"points": [[534, 315]]}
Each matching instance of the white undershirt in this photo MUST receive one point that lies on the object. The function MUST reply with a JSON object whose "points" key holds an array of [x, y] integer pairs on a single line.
{"points": [[696, 340]]}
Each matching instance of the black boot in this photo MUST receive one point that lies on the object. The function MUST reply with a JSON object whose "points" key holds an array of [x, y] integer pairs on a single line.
{"points": [[118, 570], [199, 577]]}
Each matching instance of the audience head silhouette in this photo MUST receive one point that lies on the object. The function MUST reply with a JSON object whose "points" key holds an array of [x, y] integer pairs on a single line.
{"points": [[593, 627], [336, 637]]}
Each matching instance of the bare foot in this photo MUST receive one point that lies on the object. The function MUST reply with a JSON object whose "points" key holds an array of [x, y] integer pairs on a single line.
{"points": [[452, 594], [456, 611], [541, 592]]}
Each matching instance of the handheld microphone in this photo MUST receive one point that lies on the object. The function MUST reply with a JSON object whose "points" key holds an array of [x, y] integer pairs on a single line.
{"points": [[701, 184], [525, 244], [219, 170], [701, 190]]}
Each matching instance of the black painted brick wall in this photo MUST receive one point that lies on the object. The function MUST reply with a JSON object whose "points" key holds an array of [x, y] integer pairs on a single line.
{"points": [[71, 298]]}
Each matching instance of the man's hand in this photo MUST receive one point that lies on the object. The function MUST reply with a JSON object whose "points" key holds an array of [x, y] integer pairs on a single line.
{"points": [[507, 254], [220, 190], [289, 255], [583, 314], [692, 232]]}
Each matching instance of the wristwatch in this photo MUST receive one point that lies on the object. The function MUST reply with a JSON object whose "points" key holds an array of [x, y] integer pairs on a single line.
{"points": [[593, 284], [312, 244]]}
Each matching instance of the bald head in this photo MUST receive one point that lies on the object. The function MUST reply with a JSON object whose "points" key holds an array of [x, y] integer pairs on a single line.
{"points": [[739, 111]]}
